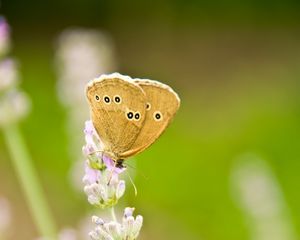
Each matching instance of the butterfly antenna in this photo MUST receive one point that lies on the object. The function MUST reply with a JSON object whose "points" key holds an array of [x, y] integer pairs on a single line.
{"points": [[138, 171], [135, 189]]}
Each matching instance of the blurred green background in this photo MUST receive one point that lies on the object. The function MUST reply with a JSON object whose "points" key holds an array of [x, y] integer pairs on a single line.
{"points": [[236, 67]]}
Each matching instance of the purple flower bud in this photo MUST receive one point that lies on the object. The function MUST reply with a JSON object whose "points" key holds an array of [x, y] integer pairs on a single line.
{"points": [[8, 73], [111, 165], [87, 150], [4, 36], [89, 128], [137, 226], [128, 212], [120, 189], [13, 107], [91, 175], [128, 225], [97, 220], [114, 229], [89, 132]]}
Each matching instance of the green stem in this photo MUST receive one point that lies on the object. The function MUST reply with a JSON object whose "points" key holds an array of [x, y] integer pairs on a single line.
{"points": [[29, 181], [113, 214]]}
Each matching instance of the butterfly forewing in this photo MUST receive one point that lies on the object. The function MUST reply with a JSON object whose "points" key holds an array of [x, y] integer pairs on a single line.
{"points": [[162, 104], [117, 107]]}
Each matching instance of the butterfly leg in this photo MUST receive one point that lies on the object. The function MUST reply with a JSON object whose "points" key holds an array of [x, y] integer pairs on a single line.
{"points": [[97, 151], [112, 172]]}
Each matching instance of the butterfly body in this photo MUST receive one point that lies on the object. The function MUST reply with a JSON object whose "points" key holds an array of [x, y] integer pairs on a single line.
{"points": [[129, 114]]}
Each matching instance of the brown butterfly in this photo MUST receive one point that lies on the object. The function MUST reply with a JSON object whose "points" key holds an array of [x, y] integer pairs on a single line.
{"points": [[129, 114]]}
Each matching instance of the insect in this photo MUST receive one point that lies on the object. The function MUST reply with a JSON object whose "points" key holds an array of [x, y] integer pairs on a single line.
{"points": [[129, 114]]}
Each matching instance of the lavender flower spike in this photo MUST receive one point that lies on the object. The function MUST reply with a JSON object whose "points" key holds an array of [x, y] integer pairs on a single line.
{"points": [[104, 188], [102, 184], [8, 74], [4, 36], [14, 103], [129, 229]]}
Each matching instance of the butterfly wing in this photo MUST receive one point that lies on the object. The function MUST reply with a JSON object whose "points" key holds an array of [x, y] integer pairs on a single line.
{"points": [[117, 108], [161, 105]]}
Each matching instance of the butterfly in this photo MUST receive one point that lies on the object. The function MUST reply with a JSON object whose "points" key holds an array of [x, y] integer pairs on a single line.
{"points": [[129, 114]]}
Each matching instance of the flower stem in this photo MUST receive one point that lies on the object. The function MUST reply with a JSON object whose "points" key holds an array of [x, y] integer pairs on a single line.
{"points": [[29, 181], [113, 214]]}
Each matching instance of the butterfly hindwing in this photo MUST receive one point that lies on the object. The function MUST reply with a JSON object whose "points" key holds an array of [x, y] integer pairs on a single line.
{"points": [[161, 105]]}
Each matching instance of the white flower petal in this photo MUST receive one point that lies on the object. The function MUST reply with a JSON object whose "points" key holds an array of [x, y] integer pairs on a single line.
{"points": [[137, 226], [98, 221], [120, 189], [128, 212]]}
